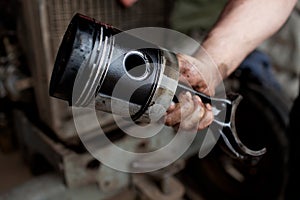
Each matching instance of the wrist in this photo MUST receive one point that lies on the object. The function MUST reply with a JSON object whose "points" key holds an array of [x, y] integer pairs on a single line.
{"points": [[201, 72], [215, 71]]}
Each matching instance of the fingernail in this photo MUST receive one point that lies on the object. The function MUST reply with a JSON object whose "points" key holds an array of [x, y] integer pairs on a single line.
{"points": [[197, 98], [188, 94]]}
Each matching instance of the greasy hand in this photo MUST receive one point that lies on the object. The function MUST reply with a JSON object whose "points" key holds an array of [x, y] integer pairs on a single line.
{"points": [[191, 112]]}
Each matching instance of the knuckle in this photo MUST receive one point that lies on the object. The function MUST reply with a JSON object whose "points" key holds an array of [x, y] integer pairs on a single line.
{"points": [[168, 121], [187, 125]]}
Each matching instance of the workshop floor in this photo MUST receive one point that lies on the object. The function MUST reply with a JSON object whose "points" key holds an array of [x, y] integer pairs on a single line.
{"points": [[13, 171]]}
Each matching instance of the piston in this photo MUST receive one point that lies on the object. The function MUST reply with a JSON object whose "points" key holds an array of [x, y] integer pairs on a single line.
{"points": [[118, 74], [101, 66]]}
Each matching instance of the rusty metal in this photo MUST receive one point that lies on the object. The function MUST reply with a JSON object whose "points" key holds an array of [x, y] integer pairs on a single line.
{"points": [[12, 80], [150, 191], [52, 186], [72, 165], [164, 175], [80, 169]]}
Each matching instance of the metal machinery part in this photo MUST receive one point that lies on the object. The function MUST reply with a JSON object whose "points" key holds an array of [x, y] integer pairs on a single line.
{"points": [[216, 176], [93, 62], [48, 138], [262, 118], [52, 137], [42, 25], [15, 86], [161, 184], [83, 177], [79, 171], [12, 80]]}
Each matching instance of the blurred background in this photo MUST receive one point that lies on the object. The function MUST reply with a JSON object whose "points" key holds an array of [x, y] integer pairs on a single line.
{"points": [[41, 156]]}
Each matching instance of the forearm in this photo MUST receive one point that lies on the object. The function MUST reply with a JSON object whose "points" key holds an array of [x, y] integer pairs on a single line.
{"points": [[242, 26]]}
